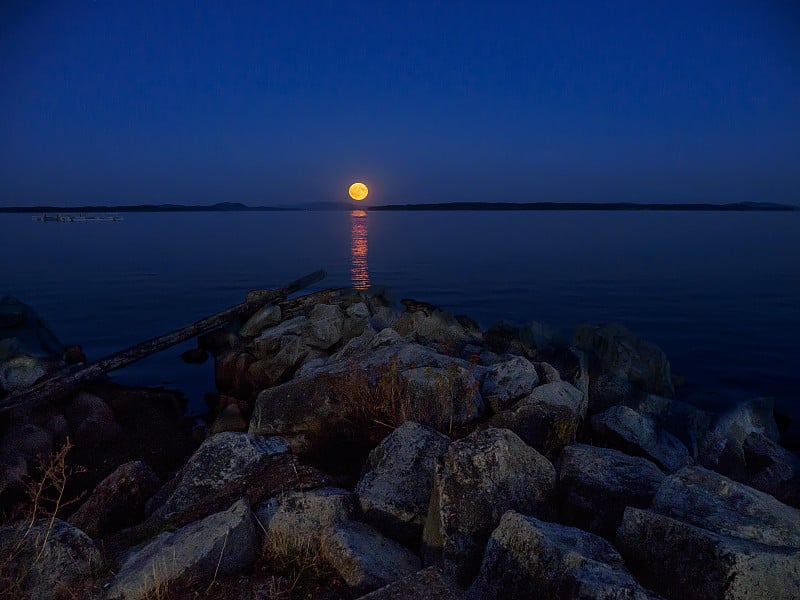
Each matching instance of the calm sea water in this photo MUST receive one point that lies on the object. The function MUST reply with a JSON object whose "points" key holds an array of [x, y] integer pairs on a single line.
{"points": [[719, 292]]}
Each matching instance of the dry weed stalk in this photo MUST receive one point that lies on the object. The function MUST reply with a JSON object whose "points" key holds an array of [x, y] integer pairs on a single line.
{"points": [[384, 396], [43, 499], [297, 560]]}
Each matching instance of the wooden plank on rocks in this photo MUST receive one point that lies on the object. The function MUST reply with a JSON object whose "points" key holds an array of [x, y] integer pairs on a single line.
{"points": [[67, 380]]}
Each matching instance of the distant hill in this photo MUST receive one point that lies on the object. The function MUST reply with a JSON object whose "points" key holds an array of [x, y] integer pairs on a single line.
{"points": [[219, 207], [685, 206]]}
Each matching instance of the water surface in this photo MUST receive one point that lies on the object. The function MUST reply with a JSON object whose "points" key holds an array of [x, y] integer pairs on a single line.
{"points": [[719, 292]]}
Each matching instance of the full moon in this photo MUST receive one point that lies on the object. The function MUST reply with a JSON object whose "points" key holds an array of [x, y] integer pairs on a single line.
{"points": [[358, 191]]}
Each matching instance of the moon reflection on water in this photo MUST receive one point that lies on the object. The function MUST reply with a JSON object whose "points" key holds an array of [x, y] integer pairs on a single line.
{"points": [[359, 271]]}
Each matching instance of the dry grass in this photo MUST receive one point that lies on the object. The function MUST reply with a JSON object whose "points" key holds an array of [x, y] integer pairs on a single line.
{"points": [[43, 500], [295, 564], [385, 396]]}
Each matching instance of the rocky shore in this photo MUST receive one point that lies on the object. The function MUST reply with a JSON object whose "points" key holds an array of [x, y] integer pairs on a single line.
{"points": [[353, 449]]}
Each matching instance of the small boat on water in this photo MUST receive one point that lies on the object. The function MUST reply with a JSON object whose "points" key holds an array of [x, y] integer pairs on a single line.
{"points": [[80, 217]]}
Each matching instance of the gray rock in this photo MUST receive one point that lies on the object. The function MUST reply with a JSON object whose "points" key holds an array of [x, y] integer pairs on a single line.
{"points": [[219, 461], [230, 418], [31, 334], [503, 337], [623, 428], [357, 321], [547, 372], [709, 500], [269, 316], [579, 375], [33, 442], [608, 389], [13, 470], [384, 317], [543, 337], [395, 488], [772, 469], [117, 501], [426, 584], [47, 562], [268, 343], [507, 382], [480, 478], [619, 350], [529, 558], [683, 420], [723, 446], [441, 397], [433, 326], [268, 371], [223, 543], [58, 426], [679, 560], [355, 346], [596, 484], [92, 420], [294, 522], [20, 372], [325, 326], [364, 558], [548, 419], [392, 383]]}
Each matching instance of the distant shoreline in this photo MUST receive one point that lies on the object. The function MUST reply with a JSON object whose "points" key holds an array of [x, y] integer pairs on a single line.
{"points": [[599, 206], [443, 206]]}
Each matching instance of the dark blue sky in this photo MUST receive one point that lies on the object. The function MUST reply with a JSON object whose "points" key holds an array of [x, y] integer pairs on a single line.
{"points": [[277, 103]]}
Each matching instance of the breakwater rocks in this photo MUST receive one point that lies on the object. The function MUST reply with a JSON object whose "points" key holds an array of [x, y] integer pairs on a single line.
{"points": [[354, 449]]}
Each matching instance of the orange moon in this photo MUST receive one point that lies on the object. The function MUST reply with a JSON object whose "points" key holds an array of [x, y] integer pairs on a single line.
{"points": [[358, 191]]}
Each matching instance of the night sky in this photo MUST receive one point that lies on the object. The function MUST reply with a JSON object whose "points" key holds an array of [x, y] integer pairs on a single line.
{"points": [[279, 103]]}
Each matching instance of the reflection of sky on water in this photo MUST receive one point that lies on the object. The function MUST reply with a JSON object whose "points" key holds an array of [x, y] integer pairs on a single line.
{"points": [[359, 272]]}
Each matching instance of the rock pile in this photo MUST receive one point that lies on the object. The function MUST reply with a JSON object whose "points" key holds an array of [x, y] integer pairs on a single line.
{"points": [[356, 449]]}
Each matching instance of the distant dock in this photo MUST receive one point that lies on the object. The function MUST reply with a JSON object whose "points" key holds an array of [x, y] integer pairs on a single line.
{"points": [[63, 218]]}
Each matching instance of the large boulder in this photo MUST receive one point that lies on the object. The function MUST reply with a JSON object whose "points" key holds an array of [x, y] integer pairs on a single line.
{"points": [[269, 316], [618, 350], [480, 478], [548, 418], [291, 352], [92, 420], [542, 337], [529, 558], [220, 461], [118, 500], [722, 448], [31, 441], [430, 325], [46, 560], [683, 420], [707, 536], [772, 468], [28, 348], [607, 389], [683, 561], [294, 522], [625, 429], [709, 500], [391, 384], [20, 371], [596, 484], [395, 488], [365, 559], [425, 584], [221, 544], [506, 382], [325, 326], [356, 321]]}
